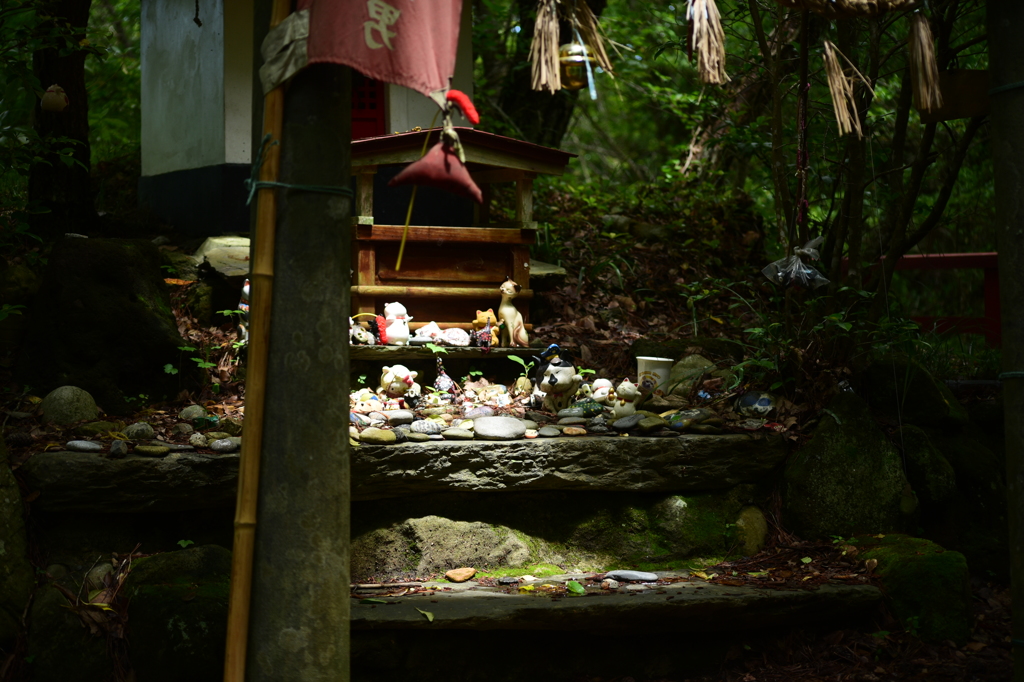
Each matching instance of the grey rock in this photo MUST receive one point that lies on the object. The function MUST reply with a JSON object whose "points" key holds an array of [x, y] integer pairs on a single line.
{"points": [[396, 417], [236, 440], [358, 419], [625, 576], [173, 447], [377, 436], [192, 412], [598, 429], [627, 423], [222, 445], [118, 449], [68, 404], [549, 432], [456, 433], [417, 437], [217, 435], [139, 431], [478, 412], [83, 446], [231, 425], [152, 450], [182, 429], [426, 426], [69, 482], [572, 421], [198, 440], [498, 428], [538, 417], [650, 424]]}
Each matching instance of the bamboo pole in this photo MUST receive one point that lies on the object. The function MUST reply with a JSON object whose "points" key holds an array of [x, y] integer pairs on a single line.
{"points": [[262, 283]]}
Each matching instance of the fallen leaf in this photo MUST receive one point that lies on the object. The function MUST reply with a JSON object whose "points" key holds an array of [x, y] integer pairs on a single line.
{"points": [[428, 614], [575, 587], [975, 646], [372, 601]]}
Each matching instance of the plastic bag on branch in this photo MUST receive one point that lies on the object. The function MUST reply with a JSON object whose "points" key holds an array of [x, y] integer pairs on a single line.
{"points": [[792, 271]]}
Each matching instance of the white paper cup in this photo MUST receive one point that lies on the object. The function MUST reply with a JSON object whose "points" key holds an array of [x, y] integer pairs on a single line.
{"points": [[654, 371]]}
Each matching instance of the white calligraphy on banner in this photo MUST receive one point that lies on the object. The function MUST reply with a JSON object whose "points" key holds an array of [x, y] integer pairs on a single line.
{"points": [[382, 16]]}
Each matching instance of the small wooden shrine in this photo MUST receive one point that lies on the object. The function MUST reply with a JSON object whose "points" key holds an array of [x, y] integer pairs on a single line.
{"points": [[448, 272]]}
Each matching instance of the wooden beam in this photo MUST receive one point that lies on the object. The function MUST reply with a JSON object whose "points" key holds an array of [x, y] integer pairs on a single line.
{"points": [[433, 292], [393, 233]]}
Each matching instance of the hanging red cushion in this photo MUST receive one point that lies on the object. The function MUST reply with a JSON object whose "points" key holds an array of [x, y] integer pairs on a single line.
{"points": [[440, 167]]}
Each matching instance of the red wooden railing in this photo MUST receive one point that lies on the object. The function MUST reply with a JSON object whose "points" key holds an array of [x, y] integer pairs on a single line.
{"points": [[989, 325]]}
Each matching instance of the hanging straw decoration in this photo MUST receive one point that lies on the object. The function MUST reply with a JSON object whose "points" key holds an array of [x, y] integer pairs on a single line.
{"points": [[707, 39], [842, 93], [544, 48], [924, 69], [586, 22]]}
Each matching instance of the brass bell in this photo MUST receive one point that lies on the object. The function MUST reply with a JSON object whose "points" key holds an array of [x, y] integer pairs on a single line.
{"points": [[572, 59]]}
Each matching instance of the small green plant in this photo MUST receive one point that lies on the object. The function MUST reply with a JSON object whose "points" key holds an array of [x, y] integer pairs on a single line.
{"points": [[185, 543], [170, 270], [585, 372], [170, 369], [527, 366], [230, 312], [434, 348], [7, 309]]}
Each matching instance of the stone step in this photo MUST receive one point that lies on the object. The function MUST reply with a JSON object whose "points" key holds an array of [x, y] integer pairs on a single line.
{"points": [[674, 631], [682, 607], [76, 481]]}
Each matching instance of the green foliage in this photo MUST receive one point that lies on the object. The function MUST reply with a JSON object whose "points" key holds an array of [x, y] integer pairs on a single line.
{"points": [[527, 366], [185, 543]]}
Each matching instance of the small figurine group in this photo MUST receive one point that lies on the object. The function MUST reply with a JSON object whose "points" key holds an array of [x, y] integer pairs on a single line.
{"points": [[506, 328]]}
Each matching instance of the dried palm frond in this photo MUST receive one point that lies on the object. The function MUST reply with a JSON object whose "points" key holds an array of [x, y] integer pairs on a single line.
{"points": [[845, 9], [544, 48], [590, 31], [924, 70], [707, 39], [842, 93]]}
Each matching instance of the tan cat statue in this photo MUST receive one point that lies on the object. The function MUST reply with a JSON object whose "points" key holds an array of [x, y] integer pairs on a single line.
{"points": [[513, 331]]}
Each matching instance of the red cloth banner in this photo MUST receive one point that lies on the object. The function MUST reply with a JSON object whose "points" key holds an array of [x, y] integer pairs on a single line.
{"points": [[407, 42]]}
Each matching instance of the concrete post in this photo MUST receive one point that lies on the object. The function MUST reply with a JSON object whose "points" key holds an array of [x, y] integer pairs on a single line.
{"points": [[300, 604]]}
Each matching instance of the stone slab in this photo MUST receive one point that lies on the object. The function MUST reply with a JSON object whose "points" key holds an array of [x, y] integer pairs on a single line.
{"points": [[690, 463], [685, 607], [76, 481]]}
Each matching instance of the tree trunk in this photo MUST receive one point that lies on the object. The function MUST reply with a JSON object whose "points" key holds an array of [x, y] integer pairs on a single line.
{"points": [[299, 621], [1005, 17], [60, 190]]}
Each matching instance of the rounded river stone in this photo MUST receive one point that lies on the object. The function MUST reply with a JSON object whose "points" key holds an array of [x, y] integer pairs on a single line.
{"points": [[498, 428]]}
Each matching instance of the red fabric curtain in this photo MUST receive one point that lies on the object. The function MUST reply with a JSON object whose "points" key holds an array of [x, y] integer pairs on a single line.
{"points": [[407, 42]]}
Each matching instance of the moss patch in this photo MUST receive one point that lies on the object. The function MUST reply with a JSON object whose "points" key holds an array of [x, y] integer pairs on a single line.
{"points": [[178, 614], [927, 587], [848, 479]]}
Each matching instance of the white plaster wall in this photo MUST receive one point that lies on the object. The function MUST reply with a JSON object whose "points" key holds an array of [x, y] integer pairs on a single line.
{"points": [[407, 108], [238, 18], [183, 122]]}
